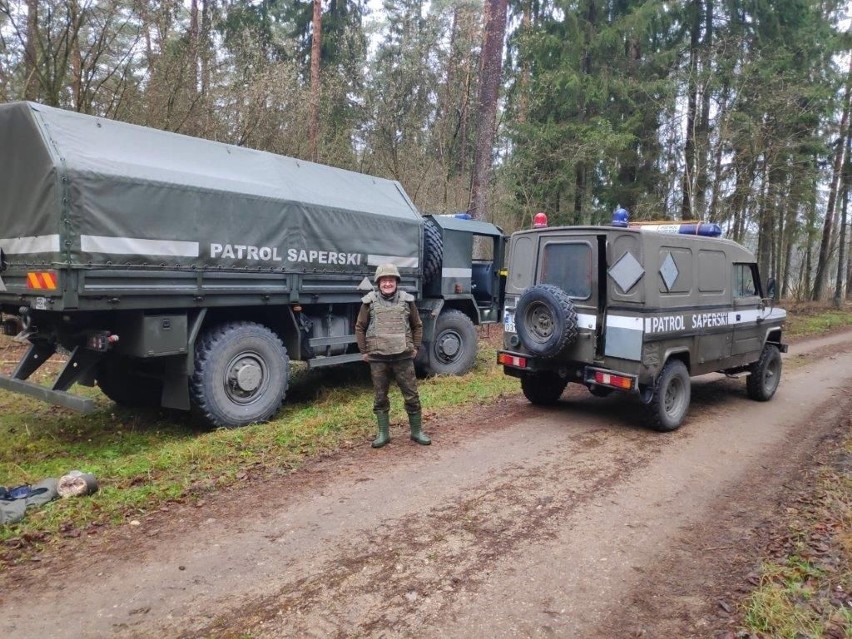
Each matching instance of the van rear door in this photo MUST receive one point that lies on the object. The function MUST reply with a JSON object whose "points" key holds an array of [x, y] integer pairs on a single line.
{"points": [[571, 263]]}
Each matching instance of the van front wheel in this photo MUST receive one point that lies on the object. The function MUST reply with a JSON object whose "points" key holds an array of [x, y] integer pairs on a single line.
{"points": [[765, 374], [670, 400]]}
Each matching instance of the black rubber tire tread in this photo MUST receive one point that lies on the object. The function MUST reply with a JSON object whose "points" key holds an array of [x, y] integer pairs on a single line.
{"points": [[550, 307], [765, 375], [433, 252], [673, 386], [600, 391], [543, 389], [222, 344], [458, 324], [120, 381]]}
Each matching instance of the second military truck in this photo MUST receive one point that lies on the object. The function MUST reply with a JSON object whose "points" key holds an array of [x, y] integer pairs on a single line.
{"points": [[638, 310], [185, 273]]}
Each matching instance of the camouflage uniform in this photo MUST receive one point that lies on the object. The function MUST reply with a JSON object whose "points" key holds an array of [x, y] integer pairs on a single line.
{"points": [[389, 332]]}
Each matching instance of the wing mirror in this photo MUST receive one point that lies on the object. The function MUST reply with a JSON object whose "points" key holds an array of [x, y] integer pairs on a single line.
{"points": [[771, 288]]}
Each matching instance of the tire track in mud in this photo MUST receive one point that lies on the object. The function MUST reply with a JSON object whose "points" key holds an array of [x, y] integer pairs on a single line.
{"points": [[403, 575]]}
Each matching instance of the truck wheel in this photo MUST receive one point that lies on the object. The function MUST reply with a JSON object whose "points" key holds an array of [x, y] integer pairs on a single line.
{"points": [[543, 389], [241, 374], [765, 375], [453, 351], [670, 400], [119, 380], [433, 252], [545, 320]]}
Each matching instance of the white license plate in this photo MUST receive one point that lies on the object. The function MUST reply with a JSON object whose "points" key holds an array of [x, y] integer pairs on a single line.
{"points": [[509, 321]]}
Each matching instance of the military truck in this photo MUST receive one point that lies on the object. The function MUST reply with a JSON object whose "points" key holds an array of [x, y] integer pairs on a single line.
{"points": [[185, 273], [636, 310]]}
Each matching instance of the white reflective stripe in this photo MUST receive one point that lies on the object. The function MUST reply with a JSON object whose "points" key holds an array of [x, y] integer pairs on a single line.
{"points": [[31, 244], [587, 321], [623, 321], [776, 313], [742, 317], [397, 260], [457, 272], [754, 314], [2, 285], [137, 246]]}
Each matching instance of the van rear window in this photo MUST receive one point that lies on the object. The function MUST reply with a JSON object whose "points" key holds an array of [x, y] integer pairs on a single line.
{"points": [[568, 266]]}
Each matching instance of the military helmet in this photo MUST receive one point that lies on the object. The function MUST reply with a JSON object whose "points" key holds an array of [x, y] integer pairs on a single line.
{"points": [[386, 270]]}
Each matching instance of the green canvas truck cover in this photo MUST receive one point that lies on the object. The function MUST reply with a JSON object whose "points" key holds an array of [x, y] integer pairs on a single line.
{"points": [[89, 192]]}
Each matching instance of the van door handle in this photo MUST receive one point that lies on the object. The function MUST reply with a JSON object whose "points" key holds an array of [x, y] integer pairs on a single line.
{"points": [[738, 317]]}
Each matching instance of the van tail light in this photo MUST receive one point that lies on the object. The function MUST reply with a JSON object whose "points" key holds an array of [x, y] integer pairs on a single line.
{"points": [[507, 359], [610, 379]]}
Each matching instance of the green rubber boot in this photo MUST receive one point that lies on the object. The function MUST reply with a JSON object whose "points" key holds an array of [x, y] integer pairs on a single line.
{"points": [[415, 420], [384, 430]]}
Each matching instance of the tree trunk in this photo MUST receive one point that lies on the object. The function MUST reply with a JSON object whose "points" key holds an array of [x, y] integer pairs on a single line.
{"points": [[713, 210], [827, 228], [193, 42], [146, 26], [316, 42], [844, 241], [524, 79], [31, 52], [206, 8], [702, 133], [76, 60], [492, 71], [789, 239], [764, 236], [687, 204], [463, 154]]}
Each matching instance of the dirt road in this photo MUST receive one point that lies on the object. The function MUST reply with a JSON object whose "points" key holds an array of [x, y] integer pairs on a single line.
{"points": [[517, 522]]}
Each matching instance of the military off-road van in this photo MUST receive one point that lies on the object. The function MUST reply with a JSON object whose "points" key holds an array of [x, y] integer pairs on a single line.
{"points": [[637, 310]]}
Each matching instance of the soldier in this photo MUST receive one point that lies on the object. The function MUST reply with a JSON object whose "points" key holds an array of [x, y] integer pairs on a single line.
{"points": [[389, 332]]}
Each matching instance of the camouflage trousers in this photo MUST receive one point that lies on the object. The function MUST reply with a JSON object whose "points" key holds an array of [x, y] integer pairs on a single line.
{"points": [[403, 371]]}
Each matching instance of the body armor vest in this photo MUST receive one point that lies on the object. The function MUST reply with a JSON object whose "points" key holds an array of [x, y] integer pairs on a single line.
{"points": [[389, 331]]}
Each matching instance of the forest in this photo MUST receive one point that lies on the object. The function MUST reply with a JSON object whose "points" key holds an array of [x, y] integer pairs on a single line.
{"points": [[734, 112]]}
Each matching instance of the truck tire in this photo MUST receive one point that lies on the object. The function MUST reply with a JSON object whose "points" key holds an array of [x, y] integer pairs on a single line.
{"points": [[121, 381], [433, 252], [765, 375], [543, 389], [670, 401], [545, 320], [241, 374], [453, 350]]}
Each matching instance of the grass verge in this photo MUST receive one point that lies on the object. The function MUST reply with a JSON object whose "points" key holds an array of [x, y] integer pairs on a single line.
{"points": [[804, 590], [145, 458]]}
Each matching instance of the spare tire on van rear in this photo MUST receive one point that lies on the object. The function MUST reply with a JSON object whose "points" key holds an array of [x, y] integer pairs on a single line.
{"points": [[546, 320]]}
